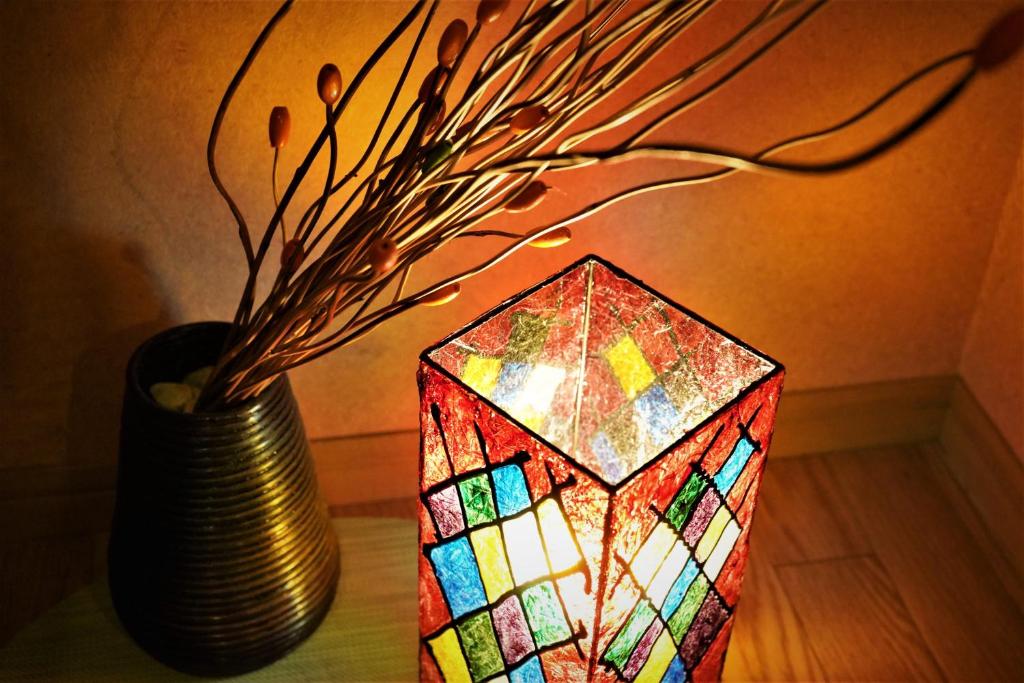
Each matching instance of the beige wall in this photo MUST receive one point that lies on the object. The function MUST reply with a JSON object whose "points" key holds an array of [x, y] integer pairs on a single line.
{"points": [[993, 360], [112, 230]]}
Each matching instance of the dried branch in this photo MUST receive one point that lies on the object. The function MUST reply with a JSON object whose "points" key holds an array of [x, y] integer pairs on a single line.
{"points": [[456, 160]]}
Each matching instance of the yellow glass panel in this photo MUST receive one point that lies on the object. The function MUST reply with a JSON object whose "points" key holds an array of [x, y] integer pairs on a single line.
{"points": [[490, 555], [530, 418], [629, 366], [721, 553], [710, 537], [658, 661], [652, 552], [449, 657], [557, 538], [481, 373]]}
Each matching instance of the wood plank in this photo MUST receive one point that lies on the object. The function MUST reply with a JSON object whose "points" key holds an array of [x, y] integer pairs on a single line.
{"points": [[860, 416], [768, 641], [990, 473], [399, 508], [35, 482], [969, 515], [35, 575], [797, 518], [960, 606], [81, 513], [368, 468], [856, 622]]}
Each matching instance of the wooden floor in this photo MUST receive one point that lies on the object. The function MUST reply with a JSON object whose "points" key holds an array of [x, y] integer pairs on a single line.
{"points": [[865, 566], [871, 566]]}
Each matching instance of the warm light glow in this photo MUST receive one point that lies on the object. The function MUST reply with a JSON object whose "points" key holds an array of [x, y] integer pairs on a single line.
{"points": [[651, 553], [525, 551], [561, 549], [563, 523]]}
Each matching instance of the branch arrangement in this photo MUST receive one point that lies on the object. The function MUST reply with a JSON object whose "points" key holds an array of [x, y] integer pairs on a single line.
{"points": [[454, 161]]}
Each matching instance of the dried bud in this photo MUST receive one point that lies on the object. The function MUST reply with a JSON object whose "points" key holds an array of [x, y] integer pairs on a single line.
{"points": [[328, 84], [383, 255], [280, 127], [488, 11], [554, 238], [527, 198], [436, 113], [291, 256], [529, 118], [452, 41], [441, 296], [436, 155], [1001, 41], [433, 83]]}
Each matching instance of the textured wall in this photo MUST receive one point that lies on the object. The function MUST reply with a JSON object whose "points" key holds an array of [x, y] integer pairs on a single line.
{"points": [[993, 359], [112, 230]]}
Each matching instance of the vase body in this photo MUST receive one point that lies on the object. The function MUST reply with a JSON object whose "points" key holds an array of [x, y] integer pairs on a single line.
{"points": [[222, 557]]}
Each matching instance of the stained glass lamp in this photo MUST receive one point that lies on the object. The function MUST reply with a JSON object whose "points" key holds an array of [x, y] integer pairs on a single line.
{"points": [[591, 455]]}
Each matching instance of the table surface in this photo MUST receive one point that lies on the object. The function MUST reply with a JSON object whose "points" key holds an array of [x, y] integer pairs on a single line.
{"points": [[370, 633]]}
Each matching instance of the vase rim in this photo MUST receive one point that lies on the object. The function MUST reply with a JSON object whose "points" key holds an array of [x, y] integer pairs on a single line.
{"points": [[184, 331]]}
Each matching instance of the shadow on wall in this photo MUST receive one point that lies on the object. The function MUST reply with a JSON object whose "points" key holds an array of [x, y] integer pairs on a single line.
{"points": [[97, 377], [79, 306]]}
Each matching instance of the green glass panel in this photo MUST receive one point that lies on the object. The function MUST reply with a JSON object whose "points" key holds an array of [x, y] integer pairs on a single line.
{"points": [[622, 646], [544, 613], [529, 333], [477, 636], [477, 499], [684, 501], [680, 622]]}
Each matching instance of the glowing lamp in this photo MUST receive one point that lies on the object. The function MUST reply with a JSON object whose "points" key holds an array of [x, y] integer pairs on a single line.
{"points": [[591, 455]]}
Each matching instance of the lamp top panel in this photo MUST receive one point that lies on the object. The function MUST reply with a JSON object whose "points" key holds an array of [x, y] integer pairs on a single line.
{"points": [[600, 366]]}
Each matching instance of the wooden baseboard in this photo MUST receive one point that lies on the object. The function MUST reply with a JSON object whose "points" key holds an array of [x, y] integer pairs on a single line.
{"points": [[989, 472], [369, 468], [374, 467], [861, 416]]}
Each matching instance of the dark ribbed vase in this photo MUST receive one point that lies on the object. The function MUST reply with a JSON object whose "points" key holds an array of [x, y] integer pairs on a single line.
{"points": [[222, 556]]}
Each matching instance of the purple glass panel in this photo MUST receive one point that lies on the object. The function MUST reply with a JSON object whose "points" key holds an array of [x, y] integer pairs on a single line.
{"points": [[444, 506], [643, 650], [701, 517], [702, 632], [513, 631]]}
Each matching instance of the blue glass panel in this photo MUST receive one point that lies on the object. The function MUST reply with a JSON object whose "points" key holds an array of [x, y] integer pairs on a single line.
{"points": [[510, 381], [657, 411], [611, 463], [678, 589], [676, 672], [730, 471], [510, 487], [527, 672], [456, 570]]}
